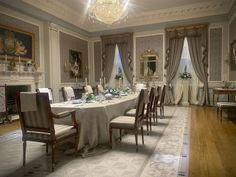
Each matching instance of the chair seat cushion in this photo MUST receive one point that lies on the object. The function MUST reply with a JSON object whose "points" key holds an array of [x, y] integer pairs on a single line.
{"points": [[63, 130], [132, 112], [123, 122], [226, 104], [60, 132]]}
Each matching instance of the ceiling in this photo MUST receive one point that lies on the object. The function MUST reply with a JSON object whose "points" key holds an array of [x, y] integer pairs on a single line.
{"points": [[140, 12]]}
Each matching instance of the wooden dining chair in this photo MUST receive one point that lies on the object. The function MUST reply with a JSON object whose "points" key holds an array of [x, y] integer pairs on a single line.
{"points": [[155, 104], [100, 89], [132, 123], [48, 91], [68, 93], [161, 101], [88, 89], [147, 111], [37, 122]]}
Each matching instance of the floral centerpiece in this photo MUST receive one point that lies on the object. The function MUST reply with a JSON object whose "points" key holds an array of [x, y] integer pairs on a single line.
{"points": [[185, 75], [90, 97], [113, 91]]}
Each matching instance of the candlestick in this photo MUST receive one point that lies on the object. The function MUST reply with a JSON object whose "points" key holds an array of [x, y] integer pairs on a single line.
{"points": [[86, 82]]}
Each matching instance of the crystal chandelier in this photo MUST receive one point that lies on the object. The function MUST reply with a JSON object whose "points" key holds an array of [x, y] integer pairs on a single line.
{"points": [[107, 11]]}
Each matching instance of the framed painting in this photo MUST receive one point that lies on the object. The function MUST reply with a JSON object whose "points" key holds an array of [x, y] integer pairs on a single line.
{"points": [[76, 64], [233, 55], [15, 43]]}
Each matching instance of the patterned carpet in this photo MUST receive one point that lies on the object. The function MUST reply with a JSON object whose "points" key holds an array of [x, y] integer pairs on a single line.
{"points": [[164, 154]]}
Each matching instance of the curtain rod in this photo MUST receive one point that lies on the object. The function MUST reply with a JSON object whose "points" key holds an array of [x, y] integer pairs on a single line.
{"points": [[186, 27]]}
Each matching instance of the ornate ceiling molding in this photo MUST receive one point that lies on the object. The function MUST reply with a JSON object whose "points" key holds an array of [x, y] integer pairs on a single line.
{"points": [[197, 10]]}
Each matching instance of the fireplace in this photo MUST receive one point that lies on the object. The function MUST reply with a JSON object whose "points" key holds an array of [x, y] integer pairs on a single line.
{"points": [[11, 91]]}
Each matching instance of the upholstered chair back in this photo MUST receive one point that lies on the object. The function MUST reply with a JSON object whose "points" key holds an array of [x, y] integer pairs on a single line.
{"points": [[142, 100], [88, 89], [48, 91], [68, 93]]}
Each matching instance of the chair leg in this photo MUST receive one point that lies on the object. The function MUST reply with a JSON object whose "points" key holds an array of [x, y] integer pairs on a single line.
{"points": [[156, 118], [53, 156], [120, 134], [24, 152], [147, 123], [163, 111], [150, 122], [76, 144], [110, 137], [136, 140], [142, 134], [47, 149]]}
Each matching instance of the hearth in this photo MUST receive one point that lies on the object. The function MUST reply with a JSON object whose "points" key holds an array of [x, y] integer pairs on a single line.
{"points": [[11, 91]]}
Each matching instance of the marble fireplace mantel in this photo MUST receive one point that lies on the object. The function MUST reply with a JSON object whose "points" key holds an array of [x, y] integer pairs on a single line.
{"points": [[21, 78]]}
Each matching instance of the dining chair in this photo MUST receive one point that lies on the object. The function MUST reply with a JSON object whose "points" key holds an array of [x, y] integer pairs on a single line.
{"points": [[139, 87], [161, 101], [48, 91], [100, 89], [155, 104], [147, 111], [132, 123], [88, 89], [68, 93], [37, 123]]}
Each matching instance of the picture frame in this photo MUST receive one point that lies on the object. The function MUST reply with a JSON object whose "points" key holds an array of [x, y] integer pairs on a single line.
{"points": [[233, 55], [75, 60], [16, 43]]}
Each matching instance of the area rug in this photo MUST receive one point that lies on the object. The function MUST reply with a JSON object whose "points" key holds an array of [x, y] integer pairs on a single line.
{"points": [[159, 156]]}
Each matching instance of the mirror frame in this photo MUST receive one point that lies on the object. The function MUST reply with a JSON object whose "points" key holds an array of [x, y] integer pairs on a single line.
{"points": [[146, 54]]}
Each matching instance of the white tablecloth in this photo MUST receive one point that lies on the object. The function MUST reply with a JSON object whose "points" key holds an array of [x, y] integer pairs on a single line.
{"points": [[94, 118]]}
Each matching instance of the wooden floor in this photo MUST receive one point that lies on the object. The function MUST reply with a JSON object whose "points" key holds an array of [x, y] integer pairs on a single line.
{"points": [[8, 127], [212, 143]]}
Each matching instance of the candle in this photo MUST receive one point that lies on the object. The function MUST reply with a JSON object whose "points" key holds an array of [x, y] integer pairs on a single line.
{"points": [[100, 81], [86, 82]]}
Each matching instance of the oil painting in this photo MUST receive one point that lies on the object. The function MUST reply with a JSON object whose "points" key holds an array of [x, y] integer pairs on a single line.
{"points": [[15, 43]]}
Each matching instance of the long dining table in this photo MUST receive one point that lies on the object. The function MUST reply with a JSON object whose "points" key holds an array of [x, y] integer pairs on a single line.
{"points": [[94, 118]]}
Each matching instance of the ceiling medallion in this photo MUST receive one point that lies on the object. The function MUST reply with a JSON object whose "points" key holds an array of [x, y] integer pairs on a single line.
{"points": [[108, 11]]}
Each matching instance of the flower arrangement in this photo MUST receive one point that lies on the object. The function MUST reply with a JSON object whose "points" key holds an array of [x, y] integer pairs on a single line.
{"points": [[112, 91], [185, 75], [90, 97]]}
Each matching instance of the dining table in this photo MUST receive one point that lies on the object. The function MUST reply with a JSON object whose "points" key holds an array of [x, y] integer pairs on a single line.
{"points": [[94, 117]]}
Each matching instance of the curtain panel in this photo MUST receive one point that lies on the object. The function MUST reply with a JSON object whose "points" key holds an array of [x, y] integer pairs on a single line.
{"points": [[174, 47], [125, 46], [197, 40]]}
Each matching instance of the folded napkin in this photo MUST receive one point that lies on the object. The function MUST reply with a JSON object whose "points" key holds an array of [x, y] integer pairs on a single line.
{"points": [[28, 101]]}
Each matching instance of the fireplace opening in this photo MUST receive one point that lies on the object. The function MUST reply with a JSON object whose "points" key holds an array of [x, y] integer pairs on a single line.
{"points": [[11, 91]]}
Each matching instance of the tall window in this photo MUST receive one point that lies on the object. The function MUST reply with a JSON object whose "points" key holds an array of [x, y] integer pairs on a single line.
{"points": [[117, 71], [186, 64]]}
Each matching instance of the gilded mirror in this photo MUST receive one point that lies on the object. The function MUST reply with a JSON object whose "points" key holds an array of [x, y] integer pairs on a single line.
{"points": [[148, 63]]}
